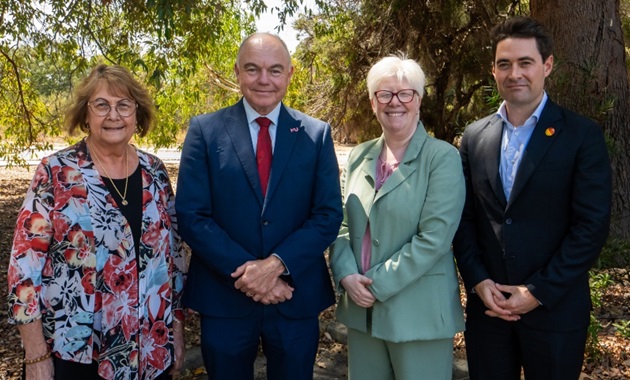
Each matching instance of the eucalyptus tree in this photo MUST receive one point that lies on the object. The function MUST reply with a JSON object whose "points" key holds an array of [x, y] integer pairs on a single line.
{"points": [[450, 39], [591, 77], [175, 46]]}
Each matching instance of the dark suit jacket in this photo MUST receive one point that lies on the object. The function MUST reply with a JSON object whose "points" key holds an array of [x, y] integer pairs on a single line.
{"points": [[226, 221], [551, 230]]}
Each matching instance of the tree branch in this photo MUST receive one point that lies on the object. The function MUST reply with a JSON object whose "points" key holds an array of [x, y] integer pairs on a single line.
{"points": [[221, 81], [25, 109], [87, 27]]}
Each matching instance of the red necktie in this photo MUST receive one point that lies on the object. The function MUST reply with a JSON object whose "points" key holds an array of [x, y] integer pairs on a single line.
{"points": [[263, 152]]}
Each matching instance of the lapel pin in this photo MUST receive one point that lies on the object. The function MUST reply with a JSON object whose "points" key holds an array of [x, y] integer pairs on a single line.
{"points": [[293, 130], [549, 132]]}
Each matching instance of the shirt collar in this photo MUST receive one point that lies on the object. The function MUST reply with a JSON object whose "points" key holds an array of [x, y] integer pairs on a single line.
{"points": [[253, 115], [535, 115]]}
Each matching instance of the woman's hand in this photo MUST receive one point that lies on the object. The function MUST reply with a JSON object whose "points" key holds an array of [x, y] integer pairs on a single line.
{"points": [[35, 346], [43, 370], [179, 347], [357, 287]]}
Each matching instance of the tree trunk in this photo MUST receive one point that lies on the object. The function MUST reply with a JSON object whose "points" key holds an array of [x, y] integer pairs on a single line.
{"points": [[590, 77]]}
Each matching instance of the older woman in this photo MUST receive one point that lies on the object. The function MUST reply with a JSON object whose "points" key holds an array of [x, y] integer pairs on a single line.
{"points": [[96, 269], [403, 196]]}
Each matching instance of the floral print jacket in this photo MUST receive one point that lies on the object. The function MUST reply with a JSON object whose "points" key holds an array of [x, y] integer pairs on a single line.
{"points": [[73, 264]]}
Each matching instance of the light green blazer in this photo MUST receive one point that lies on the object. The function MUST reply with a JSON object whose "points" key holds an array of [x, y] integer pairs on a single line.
{"points": [[413, 219]]}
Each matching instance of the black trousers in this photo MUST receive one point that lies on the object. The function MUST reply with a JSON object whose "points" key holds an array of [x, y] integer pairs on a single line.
{"points": [[497, 350], [66, 370]]}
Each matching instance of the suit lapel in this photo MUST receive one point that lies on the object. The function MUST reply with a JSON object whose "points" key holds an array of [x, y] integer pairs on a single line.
{"points": [[287, 132], [538, 145], [491, 137], [365, 190], [237, 128], [404, 169]]}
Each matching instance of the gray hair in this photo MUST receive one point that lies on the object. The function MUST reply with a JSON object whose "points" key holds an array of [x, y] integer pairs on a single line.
{"points": [[399, 67]]}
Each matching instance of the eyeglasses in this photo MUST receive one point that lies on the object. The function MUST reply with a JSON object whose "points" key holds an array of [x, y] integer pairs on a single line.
{"points": [[404, 96], [125, 108]]}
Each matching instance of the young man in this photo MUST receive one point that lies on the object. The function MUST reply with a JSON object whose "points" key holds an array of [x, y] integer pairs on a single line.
{"points": [[536, 216], [258, 201]]}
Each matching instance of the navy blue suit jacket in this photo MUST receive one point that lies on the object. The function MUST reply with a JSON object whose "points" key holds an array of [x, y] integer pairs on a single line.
{"points": [[551, 230], [226, 221]]}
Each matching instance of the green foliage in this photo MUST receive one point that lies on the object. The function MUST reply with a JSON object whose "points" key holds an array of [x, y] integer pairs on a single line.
{"points": [[186, 92], [623, 328], [592, 350], [599, 281], [171, 44], [449, 39], [332, 92], [182, 49], [624, 10], [22, 112], [299, 81]]}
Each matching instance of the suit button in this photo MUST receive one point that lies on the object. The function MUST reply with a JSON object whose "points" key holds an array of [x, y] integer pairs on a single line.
{"points": [[265, 223], [376, 242], [508, 221]]}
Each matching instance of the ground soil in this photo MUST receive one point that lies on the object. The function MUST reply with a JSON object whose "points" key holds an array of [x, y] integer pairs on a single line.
{"points": [[613, 363]]}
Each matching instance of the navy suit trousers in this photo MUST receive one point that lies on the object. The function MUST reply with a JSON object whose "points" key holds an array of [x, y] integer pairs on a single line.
{"points": [[230, 345]]}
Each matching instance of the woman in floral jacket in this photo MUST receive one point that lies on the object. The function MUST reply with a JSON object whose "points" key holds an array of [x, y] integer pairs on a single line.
{"points": [[97, 268]]}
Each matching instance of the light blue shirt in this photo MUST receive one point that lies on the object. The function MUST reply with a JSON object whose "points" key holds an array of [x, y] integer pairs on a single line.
{"points": [[254, 128], [513, 144]]}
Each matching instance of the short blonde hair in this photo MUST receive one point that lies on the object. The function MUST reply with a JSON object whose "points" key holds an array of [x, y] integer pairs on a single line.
{"points": [[119, 82], [398, 67]]}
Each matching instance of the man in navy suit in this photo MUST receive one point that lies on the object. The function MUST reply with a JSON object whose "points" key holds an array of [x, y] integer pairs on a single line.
{"points": [[536, 216], [258, 273]]}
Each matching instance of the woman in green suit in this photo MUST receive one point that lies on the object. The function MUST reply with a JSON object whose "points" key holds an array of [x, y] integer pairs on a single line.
{"points": [[392, 262]]}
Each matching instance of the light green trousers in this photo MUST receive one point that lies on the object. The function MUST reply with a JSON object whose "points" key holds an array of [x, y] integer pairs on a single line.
{"points": [[376, 359]]}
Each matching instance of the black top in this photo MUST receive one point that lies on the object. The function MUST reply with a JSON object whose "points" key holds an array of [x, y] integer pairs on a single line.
{"points": [[133, 210]]}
